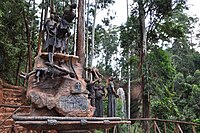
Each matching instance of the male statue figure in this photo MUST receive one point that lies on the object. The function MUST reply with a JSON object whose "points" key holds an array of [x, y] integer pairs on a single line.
{"points": [[50, 27]]}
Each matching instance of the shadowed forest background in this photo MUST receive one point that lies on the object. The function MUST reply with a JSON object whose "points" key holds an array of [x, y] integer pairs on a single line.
{"points": [[156, 46]]}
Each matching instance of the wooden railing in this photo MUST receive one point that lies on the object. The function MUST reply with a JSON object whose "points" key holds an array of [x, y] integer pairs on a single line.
{"points": [[156, 129]]}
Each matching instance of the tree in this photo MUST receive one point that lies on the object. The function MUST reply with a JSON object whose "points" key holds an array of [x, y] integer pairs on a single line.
{"points": [[14, 41], [159, 19], [95, 31]]}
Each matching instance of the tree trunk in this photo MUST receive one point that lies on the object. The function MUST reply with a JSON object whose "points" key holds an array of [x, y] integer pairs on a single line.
{"points": [[80, 49], [45, 18], [87, 39], [93, 33], [51, 6], [34, 27], [26, 65], [129, 73], [18, 69], [75, 35], [145, 96], [29, 43], [40, 30]]}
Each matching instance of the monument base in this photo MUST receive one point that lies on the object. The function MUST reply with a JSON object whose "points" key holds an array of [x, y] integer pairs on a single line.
{"points": [[67, 124]]}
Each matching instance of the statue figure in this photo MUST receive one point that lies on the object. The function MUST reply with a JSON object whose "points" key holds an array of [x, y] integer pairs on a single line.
{"points": [[69, 14], [63, 29], [58, 31], [50, 27], [99, 93], [90, 88], [96, 77], [94, 72], [51, 71], [112, 95], [121, 94]]}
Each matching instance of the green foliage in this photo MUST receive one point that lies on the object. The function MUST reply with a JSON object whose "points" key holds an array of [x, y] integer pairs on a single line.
{"points": [[129, 44], [13, 42], [10, 49], [197, 120], [136, 127], [106, 47], [172, 75], [194, 102], [120, 128], [188, 58], [186, 97], [176, 25], [105, 3], [159, 72], [129, 34], [99, 131], [105, 104], [106, 38], [169, 74], [164, 108]]}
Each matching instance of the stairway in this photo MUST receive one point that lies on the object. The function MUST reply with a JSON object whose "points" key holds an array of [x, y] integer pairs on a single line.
{"points": [[11, 98]]}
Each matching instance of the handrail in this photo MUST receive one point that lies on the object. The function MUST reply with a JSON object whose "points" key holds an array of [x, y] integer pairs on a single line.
{"points": [[162, 120], [177, 128]]}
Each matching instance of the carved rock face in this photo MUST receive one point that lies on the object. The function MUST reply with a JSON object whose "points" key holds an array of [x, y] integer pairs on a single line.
{"points": [[70, 104], [57, 91]]}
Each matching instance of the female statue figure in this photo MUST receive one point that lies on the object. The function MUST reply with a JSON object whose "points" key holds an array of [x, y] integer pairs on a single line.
{"points": [[112, 95], [90, 88], [99, 93]]}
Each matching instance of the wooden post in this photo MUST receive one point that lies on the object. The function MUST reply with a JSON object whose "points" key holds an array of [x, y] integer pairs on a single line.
{"points": [[179, 128], [80, 50], [154, 126], [114, 129], [165, 127], [1, 94], [193, 129]]}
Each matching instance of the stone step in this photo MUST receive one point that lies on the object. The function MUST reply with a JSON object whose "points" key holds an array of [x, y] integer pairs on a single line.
{"points": [[11, 103], [19, 102], [12, 99], [4, 130], [5, 115], [8, 122], [8, 110], [12, 91], [9, 86], [20, 129], [12, 94]]}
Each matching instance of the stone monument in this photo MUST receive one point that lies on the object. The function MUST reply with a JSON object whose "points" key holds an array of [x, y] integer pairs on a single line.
{"points": [[58, 95]]}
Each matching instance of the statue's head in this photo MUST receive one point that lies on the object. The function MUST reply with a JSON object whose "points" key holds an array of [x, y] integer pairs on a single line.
{"points": [[52, 16], [87, 80], [99, 81], [73, 6], [111, 78]]}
